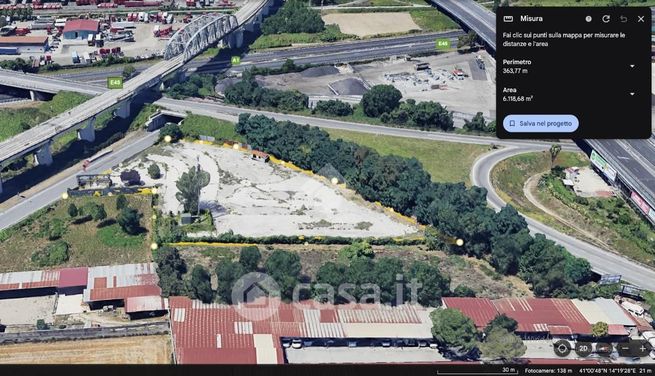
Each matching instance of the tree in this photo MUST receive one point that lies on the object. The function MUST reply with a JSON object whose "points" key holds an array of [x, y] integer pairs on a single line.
{"points": [[170, 268], [294, 17], [99, 213], [452, 330], [172, 130], [469, 40], [154, 172], [506, 250], [128, 71], [354, 250], [433, 284], [250, 258], [477, 124], [200, 285], [167, 230], [121, 202], [599, 329], [464, 291], [554, 152], [189, 185], [129, 220], [380, 99], [501, 344], [227, 272], [284, 267], [333, 107], [72, 210], [333, 274], [501, 321]]}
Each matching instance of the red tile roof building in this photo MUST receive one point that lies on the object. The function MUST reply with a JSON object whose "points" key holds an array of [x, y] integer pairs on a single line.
{"points": [[251, 333]]}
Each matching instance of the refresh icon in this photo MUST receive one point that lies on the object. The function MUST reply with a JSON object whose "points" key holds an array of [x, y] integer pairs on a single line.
{"points": [[606, 18]]}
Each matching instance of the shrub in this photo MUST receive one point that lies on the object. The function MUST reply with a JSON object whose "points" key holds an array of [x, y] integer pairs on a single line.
{"points": [[53, 254], [154, 172]]}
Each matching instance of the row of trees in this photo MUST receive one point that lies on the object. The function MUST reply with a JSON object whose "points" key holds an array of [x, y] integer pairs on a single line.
{"points": [[479, 124], [248, 92], [451, 209], [294, 17], [383, 101]]}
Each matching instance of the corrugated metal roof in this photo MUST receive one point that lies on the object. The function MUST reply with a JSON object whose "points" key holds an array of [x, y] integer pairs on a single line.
{"points": [[480, 310], [73, 277], [613, 310], [145, 304], [617, 330], [117, 282], [202, 327], [29, 280], [535, 315]]}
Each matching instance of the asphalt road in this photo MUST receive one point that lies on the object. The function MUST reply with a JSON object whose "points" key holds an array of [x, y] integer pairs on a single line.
{"points": [[602, 261], [53, 193], [324, 54]]}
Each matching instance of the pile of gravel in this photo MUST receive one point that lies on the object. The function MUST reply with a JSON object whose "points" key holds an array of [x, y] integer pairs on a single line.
{"points": [[349, 86], [319, 71]]}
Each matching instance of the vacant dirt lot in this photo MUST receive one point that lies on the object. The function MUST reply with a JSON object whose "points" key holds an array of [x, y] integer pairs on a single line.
{"points": [[254, 198], [129, 350], [363, 24], [25, 311]]}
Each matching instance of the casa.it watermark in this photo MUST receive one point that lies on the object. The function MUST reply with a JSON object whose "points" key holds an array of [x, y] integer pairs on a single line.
{"points": [[257, 295]]}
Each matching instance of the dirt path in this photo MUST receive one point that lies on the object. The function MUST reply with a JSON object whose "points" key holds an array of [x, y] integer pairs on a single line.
{"points": [[528, 190]]}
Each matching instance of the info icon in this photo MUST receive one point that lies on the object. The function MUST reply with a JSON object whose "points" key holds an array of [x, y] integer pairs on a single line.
{"points": [[583, 349], [562, 348]]}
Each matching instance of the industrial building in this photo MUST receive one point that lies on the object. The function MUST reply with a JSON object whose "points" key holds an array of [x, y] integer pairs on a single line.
{"points": [[258, 332], [25, 44], [134, 286], [540, 318], [81, 29]]}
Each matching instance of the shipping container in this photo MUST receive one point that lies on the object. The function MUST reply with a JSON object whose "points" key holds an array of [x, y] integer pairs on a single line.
{"points": [[9, 51], [123, 25]]}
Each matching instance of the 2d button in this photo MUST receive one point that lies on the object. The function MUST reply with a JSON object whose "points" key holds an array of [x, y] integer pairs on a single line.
{"points": [[583, 349], [562, 348], [540, 123]]}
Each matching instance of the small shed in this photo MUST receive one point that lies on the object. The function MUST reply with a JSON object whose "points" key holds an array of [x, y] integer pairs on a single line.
{"points": [[260, 156], [131, 177]]}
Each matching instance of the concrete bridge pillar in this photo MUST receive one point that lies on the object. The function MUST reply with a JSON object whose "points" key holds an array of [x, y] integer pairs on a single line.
{"points": [[36, 96], [43, 156], [266, 9], [87, 132], [0, 185], [123, 110], [250, 25], [236, 39]]}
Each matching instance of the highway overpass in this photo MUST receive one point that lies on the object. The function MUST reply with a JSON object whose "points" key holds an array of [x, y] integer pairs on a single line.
{"points": [[185, 44], [627, 164], [472, 16]]}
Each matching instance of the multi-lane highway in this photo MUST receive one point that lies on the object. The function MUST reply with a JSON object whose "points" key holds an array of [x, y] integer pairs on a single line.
{"points": [[341, 52]]}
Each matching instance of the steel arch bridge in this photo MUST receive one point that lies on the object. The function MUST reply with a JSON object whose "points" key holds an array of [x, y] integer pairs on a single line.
{"points": [[199, 34]]}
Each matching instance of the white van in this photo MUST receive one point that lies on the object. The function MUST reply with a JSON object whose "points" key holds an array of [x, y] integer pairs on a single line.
{"points": [[635, 309]]}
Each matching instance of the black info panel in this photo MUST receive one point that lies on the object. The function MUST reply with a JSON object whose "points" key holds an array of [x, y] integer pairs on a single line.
{"points": [[573, 72]]}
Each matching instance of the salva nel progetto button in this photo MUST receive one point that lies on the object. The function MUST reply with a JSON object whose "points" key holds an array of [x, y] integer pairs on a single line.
{"points": [[540, 123]]}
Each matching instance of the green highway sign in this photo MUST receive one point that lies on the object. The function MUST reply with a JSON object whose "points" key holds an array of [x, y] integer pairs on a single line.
{"points": [[114, 82], [443, 44], [235, 60]]}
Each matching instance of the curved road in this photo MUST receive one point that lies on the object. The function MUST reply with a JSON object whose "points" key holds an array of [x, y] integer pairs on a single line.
{"points": [[602, 261]]}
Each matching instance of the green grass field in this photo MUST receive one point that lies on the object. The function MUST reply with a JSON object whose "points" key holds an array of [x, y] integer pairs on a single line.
{"points": [[510, 175], [432, 20], [13, 120], [208, 126], [89, 244], [445, 161], [330, 34]]}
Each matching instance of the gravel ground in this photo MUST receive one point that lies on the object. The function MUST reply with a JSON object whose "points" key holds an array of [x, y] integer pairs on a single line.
{"points": [[25, 311], [254, 198]]}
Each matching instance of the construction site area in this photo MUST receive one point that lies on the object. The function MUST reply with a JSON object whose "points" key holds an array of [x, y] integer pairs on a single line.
{"points": [[253, 195], [463, 83]]}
